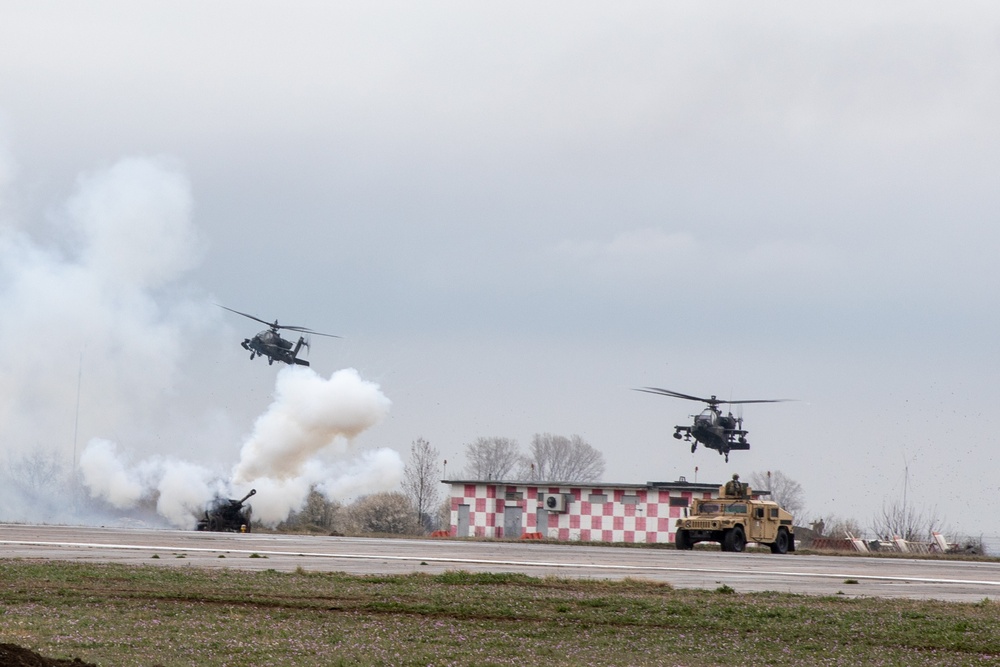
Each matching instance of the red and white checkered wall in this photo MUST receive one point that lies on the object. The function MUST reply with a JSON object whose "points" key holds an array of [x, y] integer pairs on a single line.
{"points": [[648, 516]]}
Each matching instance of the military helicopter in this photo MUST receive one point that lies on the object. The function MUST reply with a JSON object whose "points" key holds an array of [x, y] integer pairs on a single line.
{"points": [[721, 433], [270, 344]]}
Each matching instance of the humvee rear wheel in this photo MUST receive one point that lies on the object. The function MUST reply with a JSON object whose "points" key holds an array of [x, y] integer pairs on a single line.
{"points": [[734, 540], [683, 540], [780, 544]]}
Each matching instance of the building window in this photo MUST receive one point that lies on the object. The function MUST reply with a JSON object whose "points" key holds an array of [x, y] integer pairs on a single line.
{"points": [[597, 498], [630, 500], [678, 502]]}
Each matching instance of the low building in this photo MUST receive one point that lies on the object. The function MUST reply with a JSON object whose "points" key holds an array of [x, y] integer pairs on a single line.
{"points": [[591, 512]]}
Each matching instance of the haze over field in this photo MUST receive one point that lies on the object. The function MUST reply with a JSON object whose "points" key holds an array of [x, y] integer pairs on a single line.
{"points": [[512, 223]]}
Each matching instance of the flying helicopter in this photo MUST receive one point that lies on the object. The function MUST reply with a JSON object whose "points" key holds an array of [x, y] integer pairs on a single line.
{"points": [[723, 433], [270, 344]]}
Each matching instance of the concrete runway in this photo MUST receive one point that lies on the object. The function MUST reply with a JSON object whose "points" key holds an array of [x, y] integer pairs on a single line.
{"points": [[963, 581]]}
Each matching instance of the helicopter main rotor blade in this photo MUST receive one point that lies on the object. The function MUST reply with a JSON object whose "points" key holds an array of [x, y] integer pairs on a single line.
{"points": [[275, 325], [710, 401], [308, 331], [677, 394], [245, 315]]}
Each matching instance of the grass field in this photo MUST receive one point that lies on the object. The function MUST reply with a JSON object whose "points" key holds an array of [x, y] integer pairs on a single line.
{"points": [[116, 615]]}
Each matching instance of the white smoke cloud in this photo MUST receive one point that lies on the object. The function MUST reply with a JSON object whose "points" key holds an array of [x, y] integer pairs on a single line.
{"points": [[180, 488], [183, 488], [135, 223], [91, 300], [310, 418], [107, 477], [308, 414], [103, 335], [283, 458], [378, 470]]}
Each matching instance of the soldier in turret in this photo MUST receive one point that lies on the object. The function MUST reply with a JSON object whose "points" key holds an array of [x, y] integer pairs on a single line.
{"points": [[735, 488]]}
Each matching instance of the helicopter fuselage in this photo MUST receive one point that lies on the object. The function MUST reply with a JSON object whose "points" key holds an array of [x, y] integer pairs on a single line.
{"points": [[715, 431], [710, 427], [270, 344]]}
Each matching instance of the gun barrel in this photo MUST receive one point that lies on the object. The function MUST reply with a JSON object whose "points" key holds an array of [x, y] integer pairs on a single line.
{"points": [[244, 498]]}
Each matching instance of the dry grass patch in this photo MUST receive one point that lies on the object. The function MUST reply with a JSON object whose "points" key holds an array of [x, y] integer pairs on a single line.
{"points": [[116, 615]]}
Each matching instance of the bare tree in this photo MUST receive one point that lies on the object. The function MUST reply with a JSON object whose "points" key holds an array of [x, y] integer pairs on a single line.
{"points": [[902, 520], [557, 458], [389, 512], [318, 514], [37, 471], [444, 514], [784, 490], [834, 526], [420, 480], [491, 458]]}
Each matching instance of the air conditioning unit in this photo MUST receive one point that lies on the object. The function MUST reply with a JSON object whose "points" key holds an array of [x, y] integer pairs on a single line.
{"points": [[554, 502]]}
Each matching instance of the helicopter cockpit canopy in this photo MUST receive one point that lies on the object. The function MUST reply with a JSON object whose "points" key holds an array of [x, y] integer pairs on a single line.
{"points": [[706, 417]]}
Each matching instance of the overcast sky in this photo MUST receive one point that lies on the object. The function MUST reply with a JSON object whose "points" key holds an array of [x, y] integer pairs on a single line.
{"points": [[514, 214]]}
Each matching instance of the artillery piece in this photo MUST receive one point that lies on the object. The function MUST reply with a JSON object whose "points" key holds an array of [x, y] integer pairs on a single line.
{"points": [[227, 515]]}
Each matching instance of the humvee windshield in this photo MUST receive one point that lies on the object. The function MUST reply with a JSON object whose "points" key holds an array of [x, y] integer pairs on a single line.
{"points": [[721, 508]]}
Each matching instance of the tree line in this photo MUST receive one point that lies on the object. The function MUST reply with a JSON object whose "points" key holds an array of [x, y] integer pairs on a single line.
{"points": [[418, 507]]}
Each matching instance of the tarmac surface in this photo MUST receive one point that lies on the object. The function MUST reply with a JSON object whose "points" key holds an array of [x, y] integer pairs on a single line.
{"points": [[852, 576]]}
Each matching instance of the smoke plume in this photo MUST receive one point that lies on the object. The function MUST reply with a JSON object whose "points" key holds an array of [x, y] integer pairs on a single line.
{"points": [[308, 415], [298, 444], [110, 344]]}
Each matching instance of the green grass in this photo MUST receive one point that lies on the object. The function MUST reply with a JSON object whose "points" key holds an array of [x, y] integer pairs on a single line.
{"points": [[116, 615]]}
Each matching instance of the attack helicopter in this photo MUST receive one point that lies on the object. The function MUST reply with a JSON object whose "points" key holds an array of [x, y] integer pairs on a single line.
{"points": [[723, 433], [270, 344]]}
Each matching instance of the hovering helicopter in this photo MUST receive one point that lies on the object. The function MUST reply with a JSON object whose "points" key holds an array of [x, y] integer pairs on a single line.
{"points": [[721, 433], [270, 344]]}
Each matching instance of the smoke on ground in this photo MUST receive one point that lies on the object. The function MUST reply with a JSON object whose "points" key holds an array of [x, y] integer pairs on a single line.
{"points": [[110, 345], [301, 442]]}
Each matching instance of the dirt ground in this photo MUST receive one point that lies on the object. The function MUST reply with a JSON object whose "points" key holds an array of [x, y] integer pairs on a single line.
{"points": [[12, 655]]}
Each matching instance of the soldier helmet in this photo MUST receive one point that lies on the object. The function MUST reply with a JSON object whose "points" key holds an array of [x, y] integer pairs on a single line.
{"points": [[736, 475]]}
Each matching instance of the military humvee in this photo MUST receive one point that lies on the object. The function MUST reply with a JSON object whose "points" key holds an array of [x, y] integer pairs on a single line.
{"points": [[734, 519]]}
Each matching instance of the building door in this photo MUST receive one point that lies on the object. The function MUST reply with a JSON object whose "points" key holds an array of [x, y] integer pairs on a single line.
{"points": [[463, 521], [542, 521], [512, 521]]}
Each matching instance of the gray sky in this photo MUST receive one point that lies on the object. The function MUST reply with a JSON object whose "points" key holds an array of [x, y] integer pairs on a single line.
{"points": [[516, 213]]}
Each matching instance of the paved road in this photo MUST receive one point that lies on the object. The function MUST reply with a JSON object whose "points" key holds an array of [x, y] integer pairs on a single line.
{"points": [[813, 575]]}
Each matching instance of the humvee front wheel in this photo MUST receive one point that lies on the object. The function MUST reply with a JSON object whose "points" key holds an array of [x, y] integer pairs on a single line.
{"points": [[683, 541], [780, 544], [734, 540]]}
